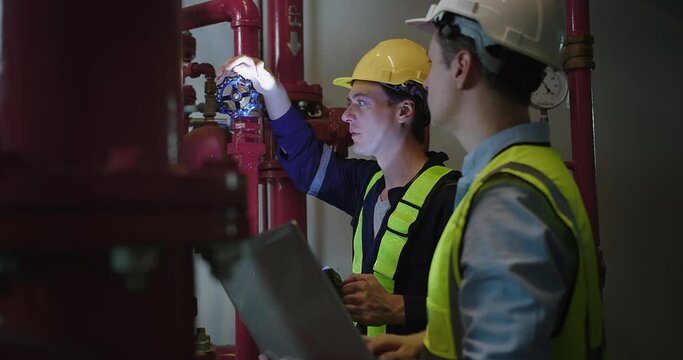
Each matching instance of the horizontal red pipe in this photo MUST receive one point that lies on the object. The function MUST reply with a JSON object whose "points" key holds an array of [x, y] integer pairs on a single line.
{"points": [[243, 15]]}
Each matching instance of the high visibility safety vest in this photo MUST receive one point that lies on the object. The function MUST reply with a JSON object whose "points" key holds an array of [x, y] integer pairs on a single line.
{"points": [[581, 334], [397, 231]]}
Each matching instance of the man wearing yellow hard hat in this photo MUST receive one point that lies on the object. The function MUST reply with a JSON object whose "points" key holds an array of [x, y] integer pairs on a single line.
{"points": [[515, 273], [399, 202]]}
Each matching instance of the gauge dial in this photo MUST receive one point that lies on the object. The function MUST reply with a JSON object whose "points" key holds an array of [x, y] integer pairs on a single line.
{"points": [[551, 92]]}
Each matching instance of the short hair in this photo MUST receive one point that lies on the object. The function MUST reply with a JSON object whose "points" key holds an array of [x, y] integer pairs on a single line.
{"points": [[416, 93], [518, 76]]}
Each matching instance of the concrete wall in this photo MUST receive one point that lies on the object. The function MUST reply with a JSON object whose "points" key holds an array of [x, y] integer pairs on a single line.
{"points": [[639, 151]]}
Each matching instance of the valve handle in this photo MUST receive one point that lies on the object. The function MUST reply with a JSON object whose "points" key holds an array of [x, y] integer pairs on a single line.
{"points": [[236, 97]]}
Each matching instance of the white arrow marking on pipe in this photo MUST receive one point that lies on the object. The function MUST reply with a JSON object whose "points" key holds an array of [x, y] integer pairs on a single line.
{"points": [[293, 44]]}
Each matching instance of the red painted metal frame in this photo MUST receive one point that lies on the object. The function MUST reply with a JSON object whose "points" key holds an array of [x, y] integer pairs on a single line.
{"points": [[95, 131], [87, 166], [581, 110]]}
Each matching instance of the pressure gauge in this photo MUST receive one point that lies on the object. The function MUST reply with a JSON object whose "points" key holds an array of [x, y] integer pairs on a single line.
{"points": [[552, 91]]}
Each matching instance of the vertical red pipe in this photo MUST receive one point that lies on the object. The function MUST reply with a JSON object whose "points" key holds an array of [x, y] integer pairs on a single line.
{"points": [[245, 20], [285, 39], [246, 25], [248, 156], [286, 59], [247, 149], [581, 110], [286, 201]]}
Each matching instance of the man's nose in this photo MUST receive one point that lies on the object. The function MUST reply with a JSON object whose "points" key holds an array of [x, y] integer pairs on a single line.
{"points": [[346, 116]]}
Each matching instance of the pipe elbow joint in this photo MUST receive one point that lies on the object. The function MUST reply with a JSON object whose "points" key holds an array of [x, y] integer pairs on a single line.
{"points": [[241, 13]]}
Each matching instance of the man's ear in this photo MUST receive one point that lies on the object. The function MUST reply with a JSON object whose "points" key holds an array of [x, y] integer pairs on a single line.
{"points": [[406, 111], [463, 67]]}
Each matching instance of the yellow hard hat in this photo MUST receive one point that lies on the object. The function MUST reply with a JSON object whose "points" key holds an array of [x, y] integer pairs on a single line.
{"points": [[393, 61]]}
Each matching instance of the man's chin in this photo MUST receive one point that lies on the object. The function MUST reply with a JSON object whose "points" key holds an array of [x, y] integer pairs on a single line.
{"points": [[359, 150]]}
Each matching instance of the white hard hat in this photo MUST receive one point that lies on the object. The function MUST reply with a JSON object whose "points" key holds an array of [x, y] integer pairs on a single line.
{"points": [[534, 28]]}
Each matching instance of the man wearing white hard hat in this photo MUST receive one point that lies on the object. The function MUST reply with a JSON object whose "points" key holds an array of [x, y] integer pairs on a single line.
{"points": [[399, 202], [515, 273]]}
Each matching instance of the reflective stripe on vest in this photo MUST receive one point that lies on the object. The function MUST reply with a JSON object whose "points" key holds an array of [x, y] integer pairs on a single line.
{"points": [[581, 335], [396, 234], [357, 267]]}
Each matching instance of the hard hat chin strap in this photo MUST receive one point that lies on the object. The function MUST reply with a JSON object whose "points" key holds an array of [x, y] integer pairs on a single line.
{"points": [[470, 28]]}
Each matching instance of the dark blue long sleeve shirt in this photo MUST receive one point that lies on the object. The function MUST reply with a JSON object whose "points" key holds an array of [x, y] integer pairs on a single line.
{"points": [[316, 170]]}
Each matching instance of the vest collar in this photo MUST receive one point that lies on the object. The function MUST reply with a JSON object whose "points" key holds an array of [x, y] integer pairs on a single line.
{"points": [[476, 160]]}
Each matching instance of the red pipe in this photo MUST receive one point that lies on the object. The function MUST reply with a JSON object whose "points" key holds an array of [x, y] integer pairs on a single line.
{"points": [[247, 154], [286, 201], [245, 20], [202, 145], [189, 94], [194, 70], [286, 60], [189, 47], [243, 16], [285, 40], [581, 110], [246, 149]]}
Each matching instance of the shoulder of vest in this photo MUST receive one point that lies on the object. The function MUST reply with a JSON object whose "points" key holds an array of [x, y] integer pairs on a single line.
{"points": [[438, 172], [428, 181]]}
